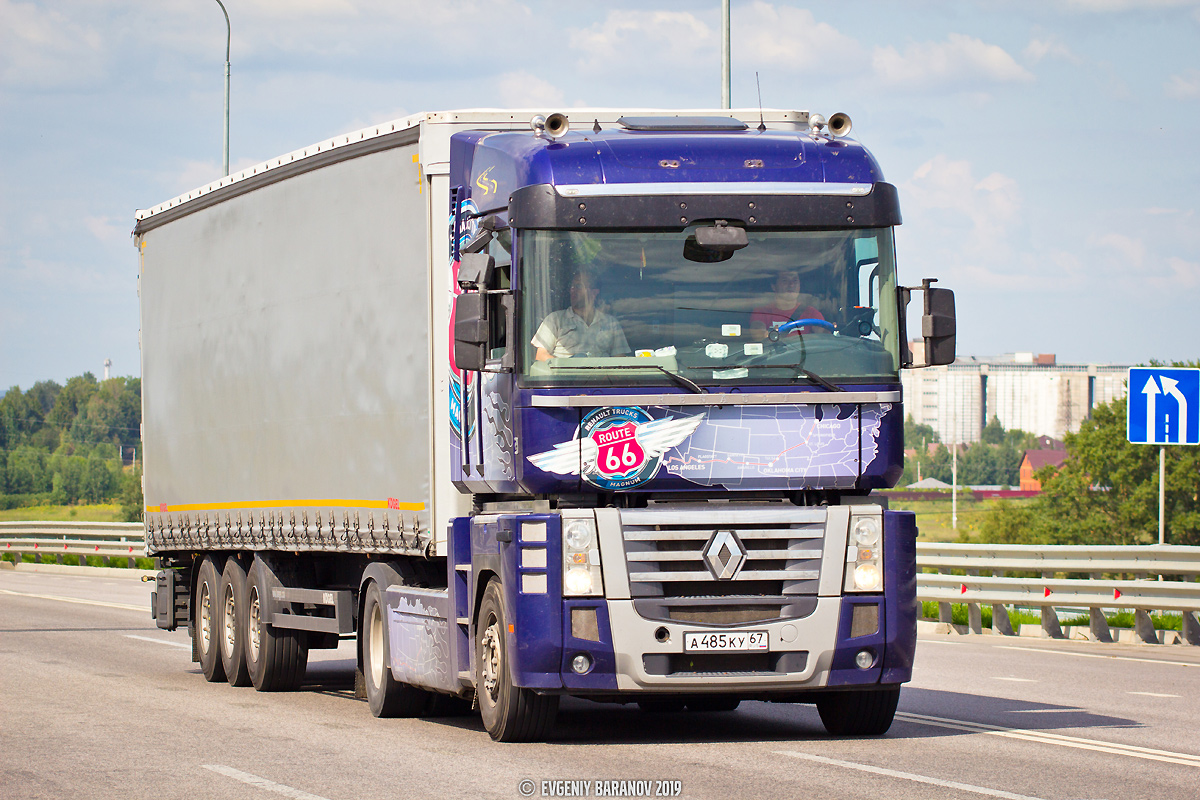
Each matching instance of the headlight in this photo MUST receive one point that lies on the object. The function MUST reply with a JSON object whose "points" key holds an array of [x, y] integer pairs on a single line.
{"points": [[579, 534], [866, 532], [864, 569], [581, 558]]}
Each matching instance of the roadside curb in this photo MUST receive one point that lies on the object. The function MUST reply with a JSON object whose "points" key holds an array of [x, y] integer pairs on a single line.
{"points": [[67, 569], [1032, 631]]}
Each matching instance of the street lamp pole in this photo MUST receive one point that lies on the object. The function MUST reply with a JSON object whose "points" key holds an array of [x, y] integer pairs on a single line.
{"points": [[726, 99], [228, 33]]}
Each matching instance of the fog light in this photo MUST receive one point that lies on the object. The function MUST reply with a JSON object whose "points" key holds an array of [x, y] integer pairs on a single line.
{"points": [[867, 577], [578, 581], [582, 664], [865, 659]]}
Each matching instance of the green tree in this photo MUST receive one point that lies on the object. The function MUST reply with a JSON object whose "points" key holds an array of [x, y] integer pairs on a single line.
{"points": [[132, 504], [1106, 492], [26, 471], [993, 432], [71, 400]]}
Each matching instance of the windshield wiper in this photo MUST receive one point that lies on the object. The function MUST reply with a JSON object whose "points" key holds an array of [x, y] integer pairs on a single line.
{"points": [[812, 376], [676, 378]]}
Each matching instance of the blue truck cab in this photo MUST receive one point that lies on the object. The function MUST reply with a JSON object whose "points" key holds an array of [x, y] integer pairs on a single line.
{"points": [[675, 367]]}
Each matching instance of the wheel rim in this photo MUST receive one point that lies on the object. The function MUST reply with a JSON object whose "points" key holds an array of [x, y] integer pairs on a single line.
{"points": [[490, 658], [254, 628], [229, 622], [205, 618], [375, 647]]}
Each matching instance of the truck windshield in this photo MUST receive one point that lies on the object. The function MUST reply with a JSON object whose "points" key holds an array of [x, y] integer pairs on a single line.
{"points": [[620, 308]]}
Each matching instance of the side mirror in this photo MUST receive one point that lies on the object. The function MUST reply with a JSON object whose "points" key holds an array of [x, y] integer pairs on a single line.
{"points": [[938, 326], [475, 271], [470, 331]]}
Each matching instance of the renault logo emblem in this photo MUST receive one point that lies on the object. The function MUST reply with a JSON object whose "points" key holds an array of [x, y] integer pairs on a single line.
{"points": [[724, 555]]}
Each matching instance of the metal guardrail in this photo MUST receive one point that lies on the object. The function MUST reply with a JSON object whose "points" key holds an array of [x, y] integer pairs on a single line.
{"points": [[107, 540], [1140, 578]]}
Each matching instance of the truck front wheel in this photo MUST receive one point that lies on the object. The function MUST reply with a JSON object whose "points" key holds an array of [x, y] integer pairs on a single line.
{"points": [[387, 696], [276, 657], [510, 713], [860, 712], [208, 588]]}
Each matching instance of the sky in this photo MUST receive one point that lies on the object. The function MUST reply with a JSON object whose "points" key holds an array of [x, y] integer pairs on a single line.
{"points": [[1045, 151]]}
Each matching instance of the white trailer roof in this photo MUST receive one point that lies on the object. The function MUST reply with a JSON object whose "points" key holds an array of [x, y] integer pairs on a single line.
{"points": [[436, 152]]}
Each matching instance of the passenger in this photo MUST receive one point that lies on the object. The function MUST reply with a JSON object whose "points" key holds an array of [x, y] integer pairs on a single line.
{"points": [[581, 330], [787, 303]]}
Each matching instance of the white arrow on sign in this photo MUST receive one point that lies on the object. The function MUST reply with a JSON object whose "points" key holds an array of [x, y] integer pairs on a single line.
{"points": [[1151, 392], [1171, 387]]}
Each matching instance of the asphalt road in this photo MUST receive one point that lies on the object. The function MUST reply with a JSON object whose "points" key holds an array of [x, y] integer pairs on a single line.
{"points": [[97, 702]]}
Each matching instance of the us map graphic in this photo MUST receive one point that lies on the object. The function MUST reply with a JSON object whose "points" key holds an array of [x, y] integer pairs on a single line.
{"points": [[731, 446], [747, 445]]}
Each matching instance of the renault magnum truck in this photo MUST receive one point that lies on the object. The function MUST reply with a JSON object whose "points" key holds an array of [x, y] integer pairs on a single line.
{"points": [[532, 406]]}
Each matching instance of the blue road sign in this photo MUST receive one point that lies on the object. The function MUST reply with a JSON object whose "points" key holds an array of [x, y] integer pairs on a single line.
{"points": [[1164, 406]]}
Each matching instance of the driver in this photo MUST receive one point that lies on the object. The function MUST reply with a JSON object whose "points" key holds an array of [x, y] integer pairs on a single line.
{"points": [[581, 330], [787, 303]]}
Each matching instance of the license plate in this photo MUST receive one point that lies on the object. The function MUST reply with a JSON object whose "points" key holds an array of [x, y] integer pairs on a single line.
{"points": [[741, 640]]}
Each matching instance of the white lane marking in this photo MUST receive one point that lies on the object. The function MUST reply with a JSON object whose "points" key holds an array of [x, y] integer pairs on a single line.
{"points": [[939, 641], [262, 783], [1153, 694], [1045, 737], [1014, 680], [78, 600], [908, 776], [1095, 655], [158, 641]]}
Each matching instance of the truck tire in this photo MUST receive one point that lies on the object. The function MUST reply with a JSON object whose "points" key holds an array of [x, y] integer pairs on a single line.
{"points": [[861, 712], [387, 696], [208, 588], [231, 623], [276, 657], [510, 713], [713, 704]]}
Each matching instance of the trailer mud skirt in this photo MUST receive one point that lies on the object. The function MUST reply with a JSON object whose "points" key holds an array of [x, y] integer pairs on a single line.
{"points": [[422, 650]]}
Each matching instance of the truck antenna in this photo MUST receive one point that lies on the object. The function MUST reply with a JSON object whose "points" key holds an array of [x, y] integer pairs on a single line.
{"points": [[762, 126]]}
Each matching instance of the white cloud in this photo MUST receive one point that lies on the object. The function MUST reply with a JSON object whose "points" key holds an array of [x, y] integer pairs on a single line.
{"points": [[524, 90], [107, 229], [44, 49], [792, 37], [1185, 86], [634, 37], [986, 207], [1038, 49], [1121, 252], [961, 61], [1108, 6]]}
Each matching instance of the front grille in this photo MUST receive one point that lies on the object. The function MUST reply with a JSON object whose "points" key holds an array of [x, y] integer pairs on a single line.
{"points": [[725, 565], [724, 664]]}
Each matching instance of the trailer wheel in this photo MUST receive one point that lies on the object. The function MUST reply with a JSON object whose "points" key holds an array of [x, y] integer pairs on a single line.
{"points": [[387, 696], [862, 712], [510, 713], [231, 623], [207, 609], [276, 657], [714, 703]]}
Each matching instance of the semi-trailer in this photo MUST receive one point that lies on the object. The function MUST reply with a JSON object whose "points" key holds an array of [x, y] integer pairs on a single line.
{"points": [[532, 407]]}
